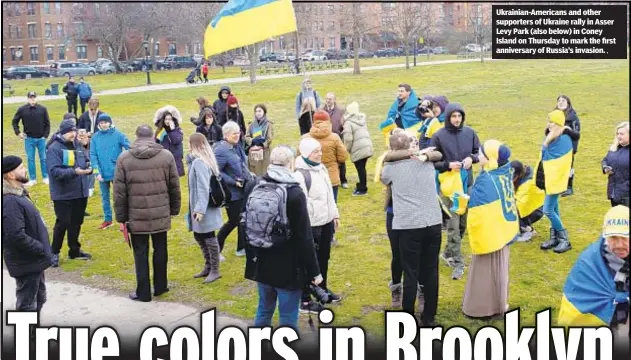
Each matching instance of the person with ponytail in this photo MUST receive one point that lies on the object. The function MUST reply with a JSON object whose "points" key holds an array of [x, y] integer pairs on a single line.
{"points": [[552, 174], [202, 219]]}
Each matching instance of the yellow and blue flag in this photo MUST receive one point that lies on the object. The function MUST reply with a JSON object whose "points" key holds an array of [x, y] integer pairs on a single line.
{"points": [[557, 164], [528, 196], [589, 294], [245, 22], [492, 221], [161, 135], [68, 158], [452, 182]]}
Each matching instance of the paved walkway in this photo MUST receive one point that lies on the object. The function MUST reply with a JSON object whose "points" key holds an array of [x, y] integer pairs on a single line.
{"points": [[20, 99]]}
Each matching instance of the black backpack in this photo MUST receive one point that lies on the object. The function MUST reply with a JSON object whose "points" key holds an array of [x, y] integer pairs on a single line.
{"points": [[219, 193]]}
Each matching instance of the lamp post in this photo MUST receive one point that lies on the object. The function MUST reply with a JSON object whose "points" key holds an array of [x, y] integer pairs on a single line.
{"points": [[146, 46], [415, 42]]}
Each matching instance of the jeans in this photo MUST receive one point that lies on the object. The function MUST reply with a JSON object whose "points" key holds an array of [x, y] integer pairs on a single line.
{"points": [[335, 190], [30, 145], [288, 305], [105, 199], [360, 165], [30, 292], [83, 104], [234, 216], [69, 215], [322, 237], [551, 210], [140, 245]]}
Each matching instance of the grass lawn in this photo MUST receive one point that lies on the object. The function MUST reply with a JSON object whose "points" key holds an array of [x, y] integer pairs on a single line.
{"points": [[505, 100], [118, 81]]}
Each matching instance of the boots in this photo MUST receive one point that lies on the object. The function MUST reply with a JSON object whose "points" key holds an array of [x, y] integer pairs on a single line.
{"points": [[213, 250], [552, 242], [396, 295], [206, 254], [564, 242]]}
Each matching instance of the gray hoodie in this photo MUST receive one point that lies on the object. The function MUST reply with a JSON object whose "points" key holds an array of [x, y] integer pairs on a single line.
{"points": [[303, 94]]}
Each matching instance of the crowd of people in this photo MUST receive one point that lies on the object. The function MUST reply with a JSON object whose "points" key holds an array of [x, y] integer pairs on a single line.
{"points": [[284, 201]]}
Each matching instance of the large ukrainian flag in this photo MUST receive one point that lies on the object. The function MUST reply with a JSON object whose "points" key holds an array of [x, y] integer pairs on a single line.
{"points": [[557, 165], [590, 291], [492, 221], [245, 22], [528, 197]]}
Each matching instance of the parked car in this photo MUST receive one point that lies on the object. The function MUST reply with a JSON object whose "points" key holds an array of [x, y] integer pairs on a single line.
{"points": [[272, 57], [335, 54], [180, 62], [315, 55], [104, 66], [290, 56], [424, 51], [473, 48], [71, 68], [21, 72], [365, 54], [440, 50], [387, 53]]}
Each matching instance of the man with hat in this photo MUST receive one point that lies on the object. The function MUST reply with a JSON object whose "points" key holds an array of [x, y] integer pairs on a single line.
{"points": [[25, 245], [67, 162], [36, 124], [596, 291]]}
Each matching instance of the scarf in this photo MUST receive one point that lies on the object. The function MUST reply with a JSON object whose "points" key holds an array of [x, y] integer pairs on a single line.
{"points": [[281, 174], [309, 162]]}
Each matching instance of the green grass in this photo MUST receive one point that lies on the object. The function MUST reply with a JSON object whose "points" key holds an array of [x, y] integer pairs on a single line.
{"points": [[505, 100], [118, 81]]}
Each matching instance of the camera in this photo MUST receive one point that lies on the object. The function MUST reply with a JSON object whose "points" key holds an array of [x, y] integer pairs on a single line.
{"points": [[424, 109], [320, 295]]}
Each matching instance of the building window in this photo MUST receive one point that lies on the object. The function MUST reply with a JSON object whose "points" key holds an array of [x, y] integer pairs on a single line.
{"points": [[13, 57], [60, 31], [332, 42], [17, 9], [80, 29], [48, 30], [331, 8], [99, 52], [4, 55], [321, 25], [82, 52], [18, 32], [20, 53], [49, 53], [10, 30], [46, 7], [321, 43], [34, 53], [62, 52], [32, 31], [97, 6], [156, 49], [58, 7], [186, 50], [30, 8], [172, 49]]}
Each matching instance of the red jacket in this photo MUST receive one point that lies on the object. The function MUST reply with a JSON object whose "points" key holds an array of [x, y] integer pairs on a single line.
{"points": [[205, 69]]}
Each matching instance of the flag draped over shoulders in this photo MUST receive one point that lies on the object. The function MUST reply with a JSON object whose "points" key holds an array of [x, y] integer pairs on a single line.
{"points": [[556, 159], [528, 196], [492, 221], [589, 294], [409, 120]]}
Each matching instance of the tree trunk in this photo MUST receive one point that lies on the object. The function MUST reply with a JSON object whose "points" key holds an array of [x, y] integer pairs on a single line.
{"points": [[356, 67], [252, 51], [407, 57]]}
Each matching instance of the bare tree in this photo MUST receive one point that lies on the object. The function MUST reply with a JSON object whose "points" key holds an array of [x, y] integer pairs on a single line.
{"points": [[479, 25], [406, 23], [357, 19], [253, 56]]}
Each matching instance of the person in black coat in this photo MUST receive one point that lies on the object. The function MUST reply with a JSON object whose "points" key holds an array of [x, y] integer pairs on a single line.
{"points": [[221, 103], [203, 105], [26, 249], [209, 127], [616, 166], [88, 120], [282, 271], [72, 95], [573, 130]]}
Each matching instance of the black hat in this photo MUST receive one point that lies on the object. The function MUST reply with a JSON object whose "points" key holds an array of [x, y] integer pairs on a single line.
{"points": [[10, 163], [67, 126], [31, 94]]}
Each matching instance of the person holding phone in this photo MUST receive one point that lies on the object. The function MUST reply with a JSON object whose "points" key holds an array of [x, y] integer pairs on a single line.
{"points": [[616, 166], [69, 172]]}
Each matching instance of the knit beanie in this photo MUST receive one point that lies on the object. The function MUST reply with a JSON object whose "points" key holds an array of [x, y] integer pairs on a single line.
{"points": [[352, 108], [10, 163], [321, 115], [557, 117], [69, 116], [616, 221], [232, 100], [307, 146], [104, 117], [67, 126]]}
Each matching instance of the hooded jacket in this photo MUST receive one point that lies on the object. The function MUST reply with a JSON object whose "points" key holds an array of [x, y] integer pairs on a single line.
{"points": [[618, 182], [146, 188], [25, 244], [303, 94], [105, 148], [456, 144], [333, 149], [320, 201], [356, 136], [172, 140], [431, 126], [220, 104], [62, 158]]}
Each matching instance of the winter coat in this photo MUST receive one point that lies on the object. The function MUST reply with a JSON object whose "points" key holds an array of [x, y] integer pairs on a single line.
{"points": [[213, 134], [85, 122], [198, 196], [337, 118], [333, 149], [25, 244], [199, 119], [172, 139], [320, 201], [146, 188], [572, 121], [303, 94], [62, 158], [618, 182], [266, 129], [220, 104], [293, 264], [105, 147], [456, 144], [232, 114], [356, 137], [305, 121], [34, 119], [232, 163], [71, 90], [84, 90]]}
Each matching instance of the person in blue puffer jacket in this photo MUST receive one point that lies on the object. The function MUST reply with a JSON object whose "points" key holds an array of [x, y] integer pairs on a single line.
{"points": [[106, 146], [85, 93]]}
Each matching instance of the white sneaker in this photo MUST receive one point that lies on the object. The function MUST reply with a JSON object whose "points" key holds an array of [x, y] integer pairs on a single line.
{"points": [[45, 181], [241, 253], [31, 183]]}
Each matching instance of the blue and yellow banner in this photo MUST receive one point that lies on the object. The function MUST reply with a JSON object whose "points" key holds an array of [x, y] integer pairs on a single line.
{"points": [[161, 135], [528, 197], [590, 291], [245, 22], [257, 132], [557, 165], [492, 221], [68, 158], [451, 182]]}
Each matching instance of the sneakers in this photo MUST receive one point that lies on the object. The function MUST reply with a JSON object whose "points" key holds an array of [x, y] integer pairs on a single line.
{"points": [[240, 253], [458, 273], [311, 307], [105, 225], [55, 262], [526, 236], [449, 260], [344, 186], [31, 183], [360, 193], [45, 181], [81, 256], [333, 298]]}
